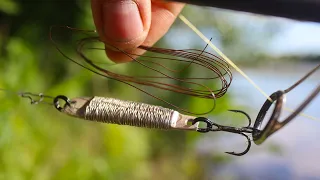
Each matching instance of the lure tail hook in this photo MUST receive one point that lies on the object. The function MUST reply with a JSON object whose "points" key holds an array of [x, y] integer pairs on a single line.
{"points": [[211, 126]]}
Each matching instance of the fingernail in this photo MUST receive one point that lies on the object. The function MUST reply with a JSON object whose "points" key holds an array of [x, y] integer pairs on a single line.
{"points": [[122, 21]]}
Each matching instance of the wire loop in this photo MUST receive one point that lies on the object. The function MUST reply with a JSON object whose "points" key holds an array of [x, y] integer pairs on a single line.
{"points": [[56, 102]]}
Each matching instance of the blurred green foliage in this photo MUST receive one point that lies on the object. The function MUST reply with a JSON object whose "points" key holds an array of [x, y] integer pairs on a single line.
{"points": [[37, 142]]}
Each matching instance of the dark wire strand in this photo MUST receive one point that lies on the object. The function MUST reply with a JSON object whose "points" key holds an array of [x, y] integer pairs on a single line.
{"points": [[214, 64], [164, 86], [34, 98]]}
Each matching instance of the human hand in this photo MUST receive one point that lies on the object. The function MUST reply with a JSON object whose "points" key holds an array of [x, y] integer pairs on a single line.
{"points": [[128, 24]]}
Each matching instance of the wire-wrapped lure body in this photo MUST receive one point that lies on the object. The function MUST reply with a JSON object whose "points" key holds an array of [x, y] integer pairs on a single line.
{"points": [[115, 111]]}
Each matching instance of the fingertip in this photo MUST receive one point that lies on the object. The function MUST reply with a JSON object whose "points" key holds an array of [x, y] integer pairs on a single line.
{"points": [[97, 17], [124, 23], [163, 16], [123, 57], [121, 21]]}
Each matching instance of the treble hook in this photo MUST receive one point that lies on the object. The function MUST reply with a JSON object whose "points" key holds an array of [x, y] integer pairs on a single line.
{"points": [[211, 126]]}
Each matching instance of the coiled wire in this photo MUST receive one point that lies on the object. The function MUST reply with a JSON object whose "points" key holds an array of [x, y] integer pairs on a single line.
{"points": [[115, 111]]}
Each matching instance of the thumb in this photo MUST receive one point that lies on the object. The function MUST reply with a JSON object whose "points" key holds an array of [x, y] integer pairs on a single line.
{"points": [[122, 23]]}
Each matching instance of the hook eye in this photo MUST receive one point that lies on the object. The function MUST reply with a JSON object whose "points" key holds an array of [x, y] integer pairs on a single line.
{"points": [[205, 120], [258, 135], [57, 103]]}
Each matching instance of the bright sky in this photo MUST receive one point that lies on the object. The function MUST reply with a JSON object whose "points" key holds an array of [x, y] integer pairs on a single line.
{"points": [[298, 38]]}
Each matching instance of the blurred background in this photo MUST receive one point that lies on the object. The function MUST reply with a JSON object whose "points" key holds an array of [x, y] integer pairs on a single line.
{"points": [[37, 142]]}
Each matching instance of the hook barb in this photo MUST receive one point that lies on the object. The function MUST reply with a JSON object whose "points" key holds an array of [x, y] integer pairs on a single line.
{"points": [[245, 151], [242, 112]]}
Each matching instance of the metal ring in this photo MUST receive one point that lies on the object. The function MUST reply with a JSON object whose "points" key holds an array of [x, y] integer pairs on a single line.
{"points": [[203, 119], [56, 101], [260, 135]]}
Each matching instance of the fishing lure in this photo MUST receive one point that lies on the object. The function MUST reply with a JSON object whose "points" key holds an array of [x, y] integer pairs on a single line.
{"points": [[115, 111]]}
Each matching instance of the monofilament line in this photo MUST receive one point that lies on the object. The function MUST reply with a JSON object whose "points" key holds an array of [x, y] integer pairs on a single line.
{"points": [[205, 39], [188, 23], [301, 114]]}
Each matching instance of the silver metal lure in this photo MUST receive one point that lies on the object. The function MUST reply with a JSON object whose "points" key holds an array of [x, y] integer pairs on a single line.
{"points": [[115, 111]]}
